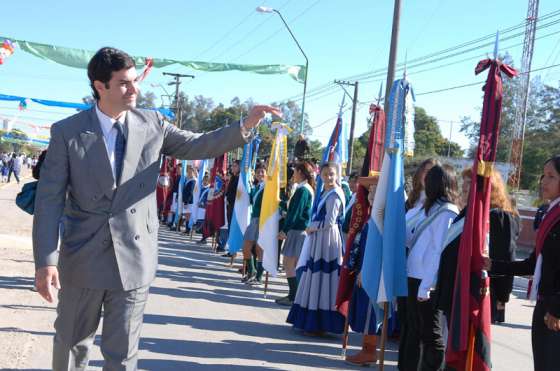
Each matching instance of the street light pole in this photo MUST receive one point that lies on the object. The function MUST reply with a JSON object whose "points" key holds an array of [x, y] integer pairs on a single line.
{"points": [[263, 9]]}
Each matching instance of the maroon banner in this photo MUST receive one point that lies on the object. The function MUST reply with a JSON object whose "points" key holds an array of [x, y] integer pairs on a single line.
{"points": [[215, 218], [469, 332], [172, 172], [361, 209]]}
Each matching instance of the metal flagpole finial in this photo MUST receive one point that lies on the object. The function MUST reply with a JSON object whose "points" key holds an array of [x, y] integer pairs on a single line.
{"points": [[496, 45], [380, 92]]}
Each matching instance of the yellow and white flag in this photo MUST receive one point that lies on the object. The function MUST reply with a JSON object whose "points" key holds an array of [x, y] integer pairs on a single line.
{"points": [[270, 210]]}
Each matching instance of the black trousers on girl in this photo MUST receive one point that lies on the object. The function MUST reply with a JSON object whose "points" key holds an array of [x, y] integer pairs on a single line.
{"points": [[424, 348], [546, 343]]}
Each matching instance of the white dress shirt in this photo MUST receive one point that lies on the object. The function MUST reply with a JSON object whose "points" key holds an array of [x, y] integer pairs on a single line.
{"points": [[424, 256], [109, 136]]}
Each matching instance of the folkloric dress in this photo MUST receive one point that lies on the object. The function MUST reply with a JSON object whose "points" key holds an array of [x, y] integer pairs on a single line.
{"points": [[314, 306]]}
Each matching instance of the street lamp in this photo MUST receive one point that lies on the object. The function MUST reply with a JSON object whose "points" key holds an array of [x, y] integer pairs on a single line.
{"points": [[264, 9]]}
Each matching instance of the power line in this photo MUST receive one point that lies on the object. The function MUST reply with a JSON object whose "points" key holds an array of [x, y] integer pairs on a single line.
{"points": [[480, 82], [226, 34], [327, 92], [263, 41], [248, 34], [430, 58]]}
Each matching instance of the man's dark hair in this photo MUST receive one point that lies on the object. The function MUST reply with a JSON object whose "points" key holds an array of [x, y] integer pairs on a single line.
{"points": [[104, 63]]}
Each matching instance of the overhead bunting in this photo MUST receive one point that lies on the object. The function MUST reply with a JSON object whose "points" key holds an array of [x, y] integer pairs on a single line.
{"points": [[79, 58]]}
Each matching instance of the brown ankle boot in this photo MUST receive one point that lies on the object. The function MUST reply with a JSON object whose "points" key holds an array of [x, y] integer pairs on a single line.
{"points": [[368, 355]]}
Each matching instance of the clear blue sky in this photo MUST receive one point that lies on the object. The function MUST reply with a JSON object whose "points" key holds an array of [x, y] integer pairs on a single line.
{"points": [[341, 38]]}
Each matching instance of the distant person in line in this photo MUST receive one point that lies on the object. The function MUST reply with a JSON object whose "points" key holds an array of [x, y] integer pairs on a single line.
{"points": [[301, 149], [100, 172], [15, 165]]}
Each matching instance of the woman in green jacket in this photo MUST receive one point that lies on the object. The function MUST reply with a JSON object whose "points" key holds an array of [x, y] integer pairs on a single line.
{"points": [[295, 223]]}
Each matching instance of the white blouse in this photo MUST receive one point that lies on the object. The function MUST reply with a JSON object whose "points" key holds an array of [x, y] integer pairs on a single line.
{"points": [[424, 256]]}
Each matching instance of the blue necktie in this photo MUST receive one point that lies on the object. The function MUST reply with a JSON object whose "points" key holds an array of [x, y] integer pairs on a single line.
{"points": [[120, 145]]}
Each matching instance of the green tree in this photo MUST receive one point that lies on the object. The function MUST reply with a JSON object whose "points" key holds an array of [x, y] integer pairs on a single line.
{"points": [[542, 137], [428, 138], [146, 100]]}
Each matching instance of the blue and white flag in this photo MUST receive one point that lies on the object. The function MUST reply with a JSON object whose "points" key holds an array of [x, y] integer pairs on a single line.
{"points": [[242, 207], [384, 274], [335, 151], [196, 193], [182, 180]]}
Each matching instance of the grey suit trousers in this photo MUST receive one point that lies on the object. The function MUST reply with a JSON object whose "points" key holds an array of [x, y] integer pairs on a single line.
{"points": [[78, 314]]}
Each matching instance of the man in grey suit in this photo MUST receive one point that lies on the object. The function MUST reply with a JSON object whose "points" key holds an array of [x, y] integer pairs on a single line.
{"points": [[100, 175]]}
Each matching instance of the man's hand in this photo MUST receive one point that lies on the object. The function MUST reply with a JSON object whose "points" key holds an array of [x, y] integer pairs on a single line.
{"points": [[257, 113], [46, 279], [552, 322]]}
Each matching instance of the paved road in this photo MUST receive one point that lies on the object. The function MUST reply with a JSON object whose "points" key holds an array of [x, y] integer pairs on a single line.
{"points": [[199, 316]]}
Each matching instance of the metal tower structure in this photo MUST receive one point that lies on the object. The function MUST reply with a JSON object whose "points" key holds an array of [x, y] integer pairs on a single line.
{"points": [[522, 94]]}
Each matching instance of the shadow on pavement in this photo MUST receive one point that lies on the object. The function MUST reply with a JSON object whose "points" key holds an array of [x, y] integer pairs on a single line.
{"points": [[18, 283]]}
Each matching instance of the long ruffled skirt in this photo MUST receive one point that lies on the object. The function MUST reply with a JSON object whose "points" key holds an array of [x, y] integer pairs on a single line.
{"points": [[314, 306]]}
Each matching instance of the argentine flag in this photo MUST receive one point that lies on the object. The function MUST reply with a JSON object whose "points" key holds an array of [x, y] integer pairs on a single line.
{"points": [[196, 194], [335, 151], [384, 268], [242, 207], [179, 207]]}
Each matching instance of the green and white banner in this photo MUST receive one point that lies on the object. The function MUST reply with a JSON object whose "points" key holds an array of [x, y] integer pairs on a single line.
{"points": [[79, 58]]}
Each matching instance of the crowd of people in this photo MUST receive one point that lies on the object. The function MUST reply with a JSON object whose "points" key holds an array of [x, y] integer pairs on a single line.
{"points": [[314, 228], [98, 179], [13, 163]]}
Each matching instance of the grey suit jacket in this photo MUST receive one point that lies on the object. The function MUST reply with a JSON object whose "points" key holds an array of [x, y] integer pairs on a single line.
{"points": [[110, 235]]}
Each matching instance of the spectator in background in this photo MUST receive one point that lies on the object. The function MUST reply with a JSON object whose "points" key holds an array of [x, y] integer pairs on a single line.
{"points": [[231, 190], [4, 167], [301, 150], [15, 165]]}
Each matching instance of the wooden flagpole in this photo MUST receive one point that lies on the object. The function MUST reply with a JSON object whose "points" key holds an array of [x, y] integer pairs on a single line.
{"points": [[345, 336], [383, 336], [265, 284], [470, 350]]}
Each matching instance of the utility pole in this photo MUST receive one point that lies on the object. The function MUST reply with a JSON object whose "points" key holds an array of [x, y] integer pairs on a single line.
{"points": [[177, 82], [392, 53], [449, 141], [353, 122]]}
